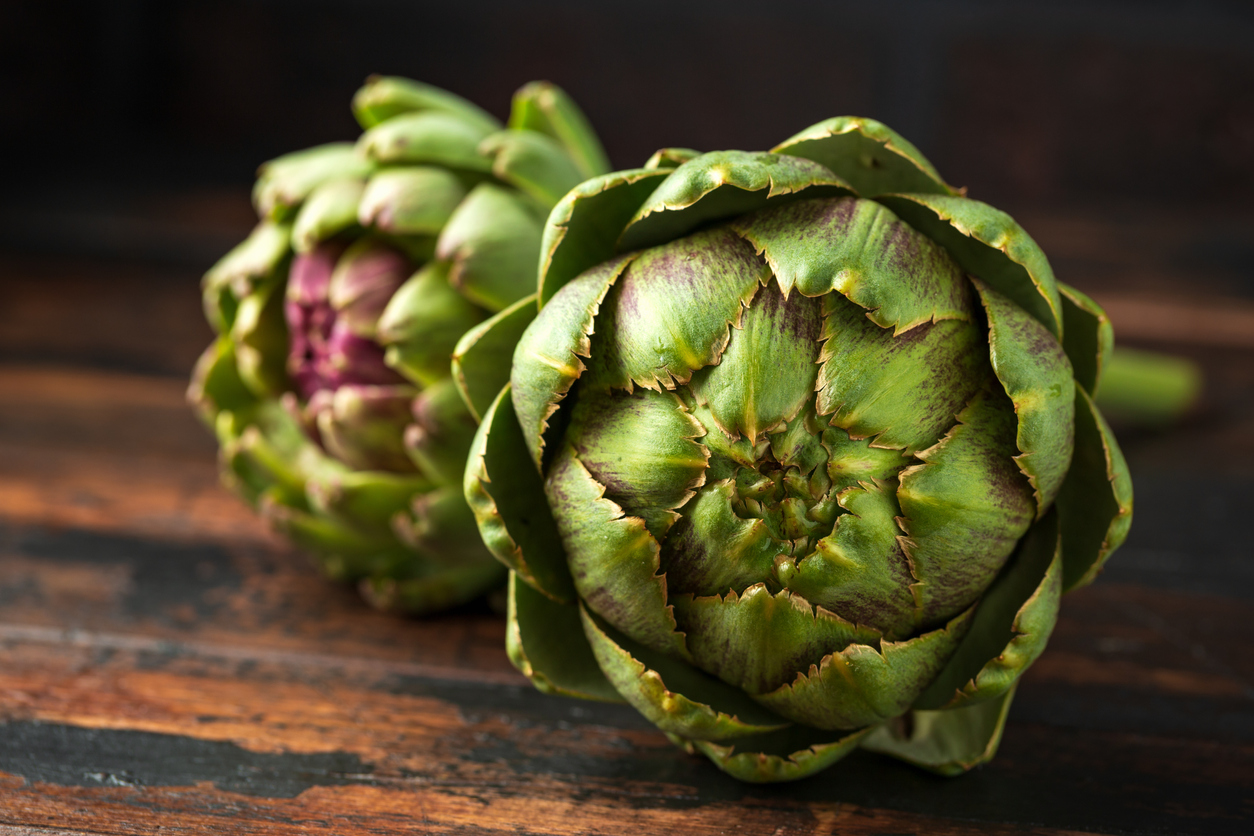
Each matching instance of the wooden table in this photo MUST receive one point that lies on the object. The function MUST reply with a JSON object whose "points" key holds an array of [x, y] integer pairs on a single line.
{"points": [[168, 665]]}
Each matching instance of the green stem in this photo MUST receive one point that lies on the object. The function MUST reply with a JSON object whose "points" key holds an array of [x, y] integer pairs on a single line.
{"points": [[1147, 388]]}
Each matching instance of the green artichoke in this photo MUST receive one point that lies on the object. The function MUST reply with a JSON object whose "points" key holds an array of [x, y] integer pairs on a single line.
{"points": [[798, 455], [330, 387]]}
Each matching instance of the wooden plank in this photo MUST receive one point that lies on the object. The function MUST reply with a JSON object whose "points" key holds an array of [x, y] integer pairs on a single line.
{"points": [[354, 810], [120, 314], [239, 643], [113, 451], [254, 596], [117, 593], [172, 736], [123, 492]]}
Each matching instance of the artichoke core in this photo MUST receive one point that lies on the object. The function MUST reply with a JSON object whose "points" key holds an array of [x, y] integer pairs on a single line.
{"points": [[351, 403], [787, 436]]}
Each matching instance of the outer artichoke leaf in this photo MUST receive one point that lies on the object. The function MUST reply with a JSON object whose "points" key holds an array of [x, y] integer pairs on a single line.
{"points": [[346, 553], [1095, 503], [410, 200], [965, 507], [285, 182], [216, 385], [1088, 338], [989, 245], [671, 311], [422, 323], [492, 240], [383, 97], [545, 641], [905, 389], [859, 248], [640, 447], [862, 686], [441, 527], [258, 259], [674, 696], [1036, 374], [440, 438], [427, 137], [481, 358], [260, 336], [547, 358], [330, 209], [584, 226], [220, 305], [948, 742], [370, 497], [757, 641], [613, 558], [869, 155], [433, 593], [768, 370], [724, 184], [533, 163], [860, 570], [252, 465], [670, 158], [362, 426], [789, 755], [506, 494], [290, 444], [544, 107], [1012, 624]]}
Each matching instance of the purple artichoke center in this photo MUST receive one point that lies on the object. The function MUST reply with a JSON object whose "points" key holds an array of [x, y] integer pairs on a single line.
{"points": [[326, 351], [350, 401]]}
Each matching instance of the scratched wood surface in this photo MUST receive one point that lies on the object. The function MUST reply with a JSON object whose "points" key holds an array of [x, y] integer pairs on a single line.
{"points": [[167, 665]]}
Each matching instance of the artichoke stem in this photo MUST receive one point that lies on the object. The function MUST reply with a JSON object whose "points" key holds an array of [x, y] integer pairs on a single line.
{"points": [[1145, 388]]}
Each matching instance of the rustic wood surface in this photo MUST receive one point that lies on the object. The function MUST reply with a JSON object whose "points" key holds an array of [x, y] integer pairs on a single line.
{"points": [[168, 665]]}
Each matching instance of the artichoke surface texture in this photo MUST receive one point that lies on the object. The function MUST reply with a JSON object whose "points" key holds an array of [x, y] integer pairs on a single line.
{"points": [[331, 385], [798, 455]]}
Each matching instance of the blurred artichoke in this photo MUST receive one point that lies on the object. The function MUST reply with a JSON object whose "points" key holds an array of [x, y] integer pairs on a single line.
{"points": [[798, 455], [329, 387]]}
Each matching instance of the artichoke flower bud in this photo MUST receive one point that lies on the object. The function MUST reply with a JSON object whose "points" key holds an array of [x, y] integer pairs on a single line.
{"points": [[330, 387], [796, 455]]}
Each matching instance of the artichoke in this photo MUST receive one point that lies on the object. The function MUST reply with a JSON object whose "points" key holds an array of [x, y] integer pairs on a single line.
{"points": [[798, 455], [330, 387]]}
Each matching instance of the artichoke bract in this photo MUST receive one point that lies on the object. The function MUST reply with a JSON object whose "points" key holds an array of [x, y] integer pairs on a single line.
{"points": [[331, 387], [798, 455]]}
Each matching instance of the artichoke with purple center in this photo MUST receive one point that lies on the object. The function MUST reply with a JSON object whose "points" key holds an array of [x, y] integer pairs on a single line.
{"points": [[331, 387], [798, 455]]}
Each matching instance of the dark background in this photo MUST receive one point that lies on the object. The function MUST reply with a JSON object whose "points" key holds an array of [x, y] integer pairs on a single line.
{"points": [[1075, 104], [1020, 101]]}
